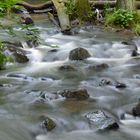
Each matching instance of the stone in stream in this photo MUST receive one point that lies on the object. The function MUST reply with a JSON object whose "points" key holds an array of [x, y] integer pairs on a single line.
{"points": [[19, 75], [48, 124], [20, 57], [109, 82], [16, 52], [98, 67], [120, 85], [134, 53], [105, 82], [79, 54], [100, 120], [78, 94], [67, 68], [136, 110]]}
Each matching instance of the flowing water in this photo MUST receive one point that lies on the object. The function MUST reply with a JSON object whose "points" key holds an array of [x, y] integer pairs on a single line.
{"points": [[21, 105]]}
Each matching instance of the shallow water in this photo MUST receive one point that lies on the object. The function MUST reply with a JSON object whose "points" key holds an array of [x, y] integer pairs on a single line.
{"points": [[21, 105]]}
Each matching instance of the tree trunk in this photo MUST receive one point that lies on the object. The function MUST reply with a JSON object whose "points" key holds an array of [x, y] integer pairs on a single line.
{"points": [[126, 4], [62, 16], [83, 9]]}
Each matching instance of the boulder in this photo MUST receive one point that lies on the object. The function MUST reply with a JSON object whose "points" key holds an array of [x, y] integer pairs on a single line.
{"points": [[134, 53], [79, 54], [100, 120], [20, 57], [80, 94], [48, 124], [136, 110], [16, 52]]}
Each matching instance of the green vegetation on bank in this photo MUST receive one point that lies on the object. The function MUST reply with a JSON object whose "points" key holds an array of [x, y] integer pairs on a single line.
{"points": [[124, 19], [5, 6], [3, 57]]}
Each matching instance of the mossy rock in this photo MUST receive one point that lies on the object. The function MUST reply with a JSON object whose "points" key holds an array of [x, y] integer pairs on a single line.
{"points": [[79, 54]]}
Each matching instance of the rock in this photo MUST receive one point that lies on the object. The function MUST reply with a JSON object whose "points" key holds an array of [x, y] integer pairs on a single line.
{"points": [[79, 54], [16, 52], [26, 18], [80, 94], [53, 50], [109, 82], [105, 82], [120, 85], [135, 53], [99, 120], [22, 76], [98, 67], [6, 85], [136, 110], [136, 76], [67, 68], [20, 57], [49, 96], [48, 124]]}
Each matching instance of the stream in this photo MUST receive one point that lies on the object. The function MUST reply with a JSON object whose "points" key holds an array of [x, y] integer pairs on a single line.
{"points": [[22, 106]]}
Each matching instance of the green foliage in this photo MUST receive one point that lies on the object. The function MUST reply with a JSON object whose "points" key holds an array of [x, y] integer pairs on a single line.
{"points": [[31, 33], [3, 57], [137, 29], [71, 9], [122, 18], [5, 5]]}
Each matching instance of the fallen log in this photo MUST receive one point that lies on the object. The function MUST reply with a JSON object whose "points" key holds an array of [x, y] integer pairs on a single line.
{"points": [[49, 4], [111, 4], [32, 8], [102, 4]]}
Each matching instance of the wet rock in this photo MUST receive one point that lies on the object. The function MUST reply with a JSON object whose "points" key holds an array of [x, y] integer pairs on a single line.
{"points": [[18, 54], [49, 96], [48, 124], [80, 94], [23, 76], [53, 50], [136, 76], [135, 53], [100, 120], [109, 82], [26, 18], [67, 68], [120, 85], [11, 45], [136, 110], [105, 82], [6, 85], [20, 57], [75, 23], [79, 54], [99, 67]]}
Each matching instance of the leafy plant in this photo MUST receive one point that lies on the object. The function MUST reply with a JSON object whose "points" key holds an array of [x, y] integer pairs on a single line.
{"points": [[70, 8], [122, 18], [3, 58], [5, 5]]}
